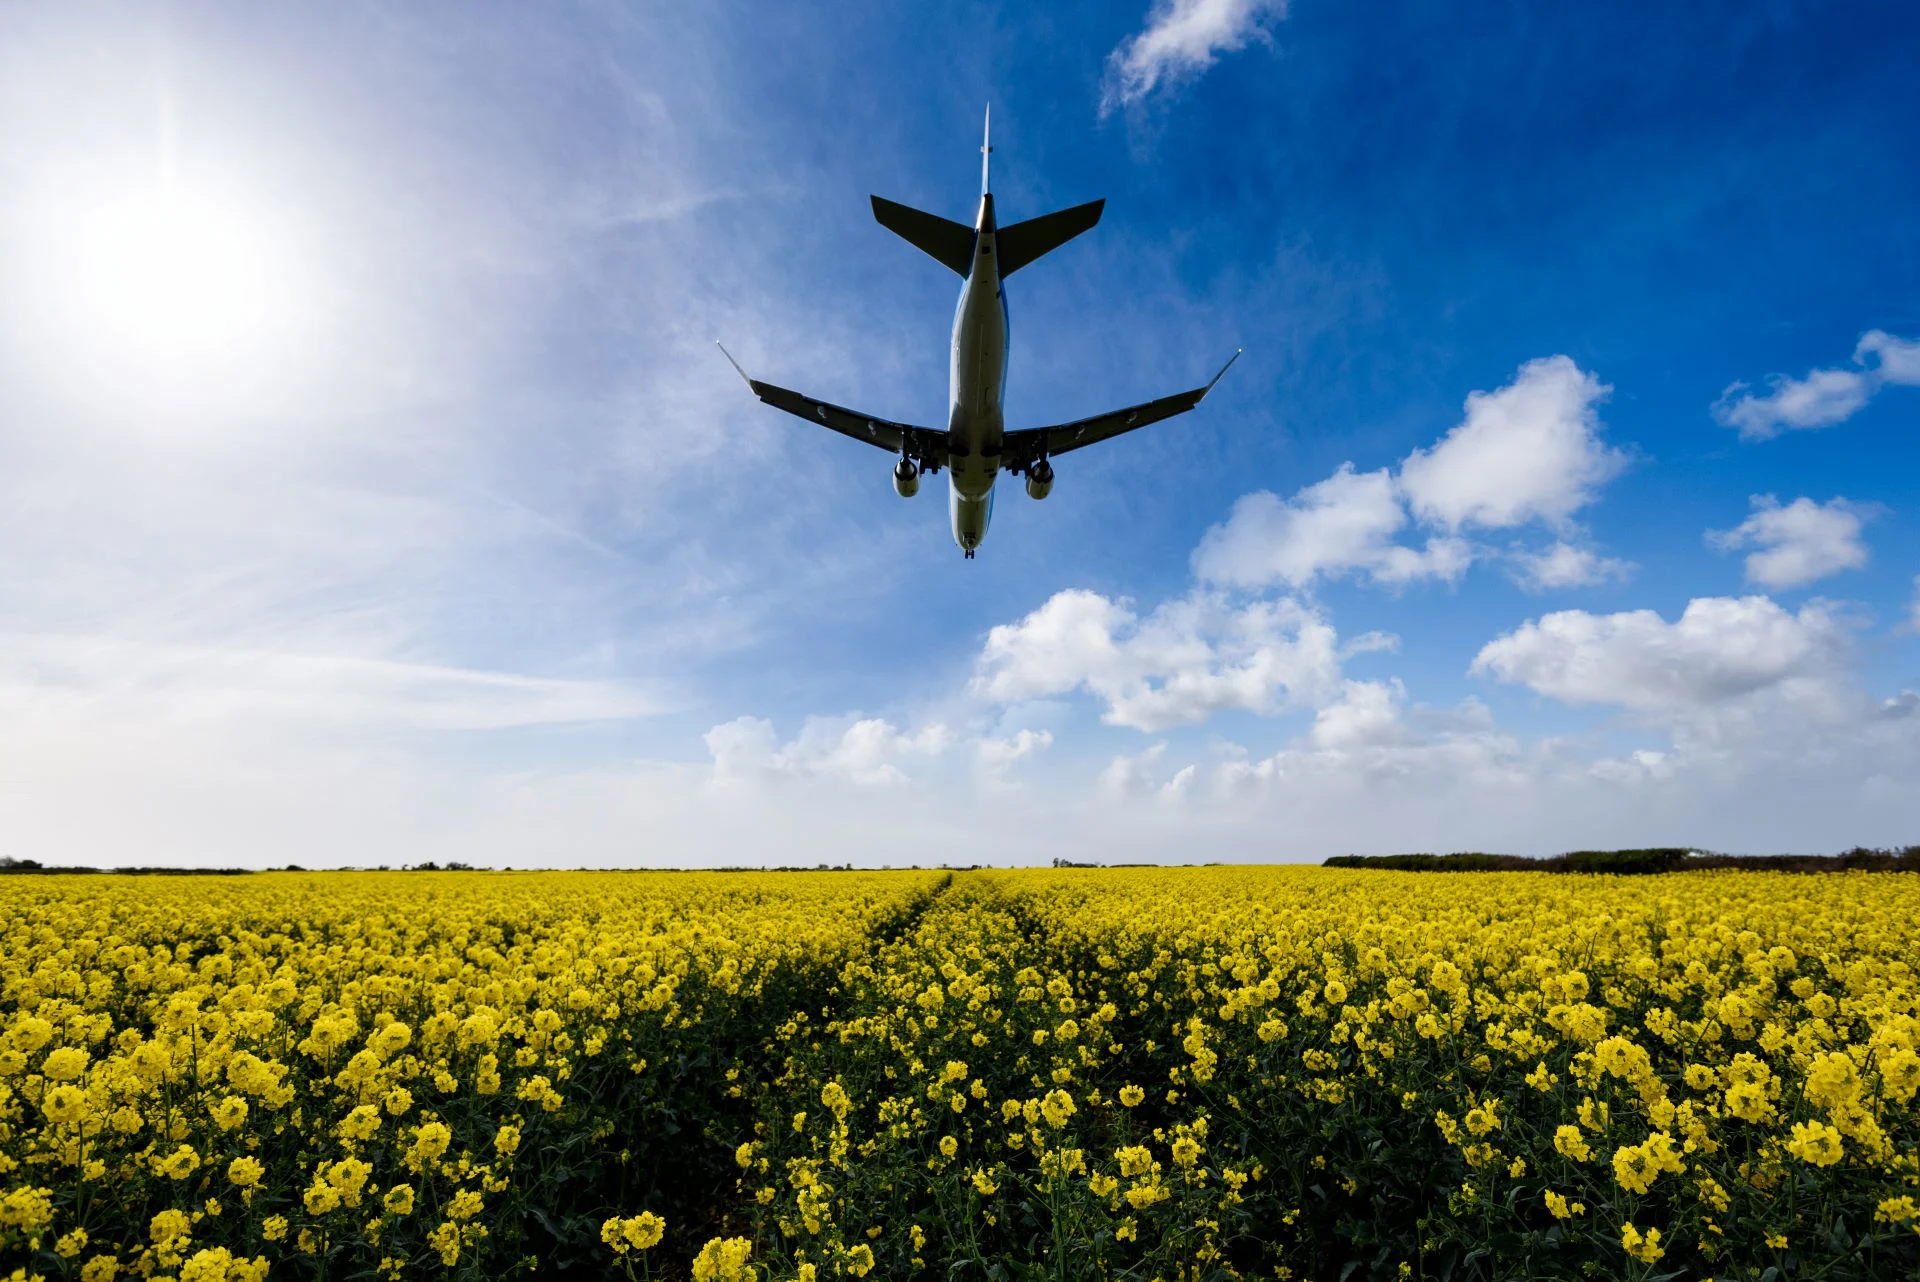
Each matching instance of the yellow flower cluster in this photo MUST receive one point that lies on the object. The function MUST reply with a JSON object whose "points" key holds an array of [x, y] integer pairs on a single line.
{"points": [[724, 1260], [641, 1232], [1216, 1072], [200, 1077], [1177, 1063]]}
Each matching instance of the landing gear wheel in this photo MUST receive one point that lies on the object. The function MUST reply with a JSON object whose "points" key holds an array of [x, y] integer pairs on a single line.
{"points": [[969, 554]]}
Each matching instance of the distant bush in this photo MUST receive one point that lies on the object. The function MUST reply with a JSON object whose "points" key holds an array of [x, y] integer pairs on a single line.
{"points": [[1654, 860], [1664, 859], [1861, 858], [34, 866], [1463, 861]]}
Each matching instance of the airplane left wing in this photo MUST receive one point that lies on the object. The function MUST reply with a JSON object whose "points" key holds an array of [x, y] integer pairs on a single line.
{"points": [[1021, 449], [926, 446]]}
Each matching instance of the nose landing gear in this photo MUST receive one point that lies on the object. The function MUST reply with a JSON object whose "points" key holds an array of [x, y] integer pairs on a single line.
{"points": [[969, 554]]}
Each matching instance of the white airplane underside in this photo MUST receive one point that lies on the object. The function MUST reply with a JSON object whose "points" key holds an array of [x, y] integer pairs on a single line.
{"points": [[975, 446]]}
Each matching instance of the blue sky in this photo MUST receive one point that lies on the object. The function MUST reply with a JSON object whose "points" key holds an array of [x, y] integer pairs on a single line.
{"points": [[371, 490]]}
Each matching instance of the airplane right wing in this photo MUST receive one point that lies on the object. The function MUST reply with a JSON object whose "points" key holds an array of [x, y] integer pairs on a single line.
{"points": [[926, 446], [1021, 449]]}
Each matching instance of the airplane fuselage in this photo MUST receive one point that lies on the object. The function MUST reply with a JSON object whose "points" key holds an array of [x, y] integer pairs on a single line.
{"points": [[977, 388]]}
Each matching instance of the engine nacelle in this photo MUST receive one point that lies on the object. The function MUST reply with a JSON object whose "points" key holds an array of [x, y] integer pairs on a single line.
{"points": [[906, 479], [1040, 480]]}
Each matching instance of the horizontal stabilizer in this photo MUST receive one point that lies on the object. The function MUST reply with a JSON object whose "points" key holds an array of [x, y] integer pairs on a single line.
{"points": [[947, 241], [1021, 243]]}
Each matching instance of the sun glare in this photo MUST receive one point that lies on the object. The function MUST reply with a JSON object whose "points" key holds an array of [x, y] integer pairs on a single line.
{"points": [[164, 298], [176, 283]]}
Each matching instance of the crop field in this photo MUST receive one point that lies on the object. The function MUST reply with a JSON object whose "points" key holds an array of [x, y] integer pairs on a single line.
{"points": [[1076, 1074]]}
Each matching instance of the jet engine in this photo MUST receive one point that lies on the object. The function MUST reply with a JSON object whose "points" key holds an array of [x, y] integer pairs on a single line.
{"points": [[1040, 480], [906, 479]]}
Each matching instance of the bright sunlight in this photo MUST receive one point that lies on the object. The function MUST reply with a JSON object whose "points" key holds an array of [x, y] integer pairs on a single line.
{"points": [[175, 283]]}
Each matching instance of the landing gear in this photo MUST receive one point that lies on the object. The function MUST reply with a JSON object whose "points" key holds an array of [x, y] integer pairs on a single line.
{"points": [[969, 554]]}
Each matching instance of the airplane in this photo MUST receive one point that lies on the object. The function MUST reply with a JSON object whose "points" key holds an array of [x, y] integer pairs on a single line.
{"points": [[975, 447]]}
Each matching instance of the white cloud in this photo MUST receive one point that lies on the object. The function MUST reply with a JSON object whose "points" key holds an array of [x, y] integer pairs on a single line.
{"points": [[1642, 765], [1344, 523], [1181, 40], [1529, 451], [1800, 542], [1825, 396], [1372, 776], [1053, 649], [1132, 775], [1721, 648], [1367, 748], [997, 756], [1189, 659], [1567, 565], [1821, 399], [1898, 358], [1136, 777], [1767, 770], [866, 751], [1438, 779], [1366, 714], [742, 749]]}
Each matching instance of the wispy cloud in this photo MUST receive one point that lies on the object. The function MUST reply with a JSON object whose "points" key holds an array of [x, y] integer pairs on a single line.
{"points": [[997, 756], [1567, 565], [1824, 397], [92, 677], [864, 750], [1181, 40]]}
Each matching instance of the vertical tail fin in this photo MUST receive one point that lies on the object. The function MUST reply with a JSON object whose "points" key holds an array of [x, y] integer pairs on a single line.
{"points": [[986, 149]]}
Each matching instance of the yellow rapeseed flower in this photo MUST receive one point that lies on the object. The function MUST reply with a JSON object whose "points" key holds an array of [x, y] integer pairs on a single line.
{"points": [[726, 1260], [245, 1171], [1816, 1143], [1643, 1247], [64, 1105], [64, 1064]]}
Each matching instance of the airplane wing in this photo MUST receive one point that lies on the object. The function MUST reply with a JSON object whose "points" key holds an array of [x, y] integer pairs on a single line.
{"points": [[1021, 449], [927, 446]]}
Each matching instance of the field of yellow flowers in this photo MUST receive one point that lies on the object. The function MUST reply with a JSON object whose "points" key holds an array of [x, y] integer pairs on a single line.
{"points": [[1130, 1074]]}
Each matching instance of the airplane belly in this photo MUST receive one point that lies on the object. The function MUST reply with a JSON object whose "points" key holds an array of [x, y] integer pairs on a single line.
{"points": [[969, 515], [976, 423]]}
